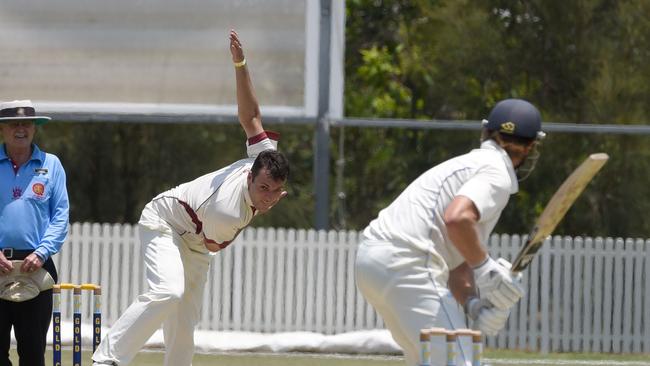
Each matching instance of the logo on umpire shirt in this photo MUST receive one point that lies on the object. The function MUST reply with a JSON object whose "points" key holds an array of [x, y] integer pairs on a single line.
{"points": [[507, 127], [38, 189]]}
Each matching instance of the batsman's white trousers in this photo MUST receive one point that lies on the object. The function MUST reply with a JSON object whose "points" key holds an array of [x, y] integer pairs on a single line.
{"points": [[398, 281], [176, 276]]}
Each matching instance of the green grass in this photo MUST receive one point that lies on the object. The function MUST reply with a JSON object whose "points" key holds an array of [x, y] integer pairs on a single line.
{"points": [[521, 355], [567, 356], [151, 358]]}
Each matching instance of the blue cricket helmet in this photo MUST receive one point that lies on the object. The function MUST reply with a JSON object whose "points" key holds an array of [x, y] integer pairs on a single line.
{"points": [[515, 117]]}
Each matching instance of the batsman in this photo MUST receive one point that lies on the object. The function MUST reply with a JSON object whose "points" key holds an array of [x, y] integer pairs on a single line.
{"points": [[423, 262]]}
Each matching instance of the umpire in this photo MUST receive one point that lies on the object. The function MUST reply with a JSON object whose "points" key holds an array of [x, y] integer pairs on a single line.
{"points": [[33, 226]]}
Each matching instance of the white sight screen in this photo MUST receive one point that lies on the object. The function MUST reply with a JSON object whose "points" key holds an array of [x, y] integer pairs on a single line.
{"points": [[91, 54]]}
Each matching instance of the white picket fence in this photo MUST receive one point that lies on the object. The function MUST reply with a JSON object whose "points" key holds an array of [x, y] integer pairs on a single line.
{"points": [[583, 294]]}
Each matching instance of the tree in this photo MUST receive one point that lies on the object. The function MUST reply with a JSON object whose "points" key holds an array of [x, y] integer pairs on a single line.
{"points": [[583, 61]]}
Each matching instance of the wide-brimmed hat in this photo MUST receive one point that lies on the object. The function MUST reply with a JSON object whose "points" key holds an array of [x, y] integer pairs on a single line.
{"points": [[19, 286], [20, 110]]}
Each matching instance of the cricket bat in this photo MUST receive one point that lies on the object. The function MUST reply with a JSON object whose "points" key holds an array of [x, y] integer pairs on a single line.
{"points": [[557, 207]]}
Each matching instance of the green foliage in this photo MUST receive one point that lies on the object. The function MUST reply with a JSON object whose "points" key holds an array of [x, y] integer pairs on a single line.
{"points": [[381, 93], [583, 61], [113, 170]]}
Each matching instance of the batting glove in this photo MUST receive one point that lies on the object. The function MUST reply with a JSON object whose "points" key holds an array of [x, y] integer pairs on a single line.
{"points": [[473, 307], [491, 320], [497, 284]]}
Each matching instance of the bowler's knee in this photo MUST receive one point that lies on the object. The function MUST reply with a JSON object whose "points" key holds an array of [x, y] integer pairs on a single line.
{"points": [[170, 296]]}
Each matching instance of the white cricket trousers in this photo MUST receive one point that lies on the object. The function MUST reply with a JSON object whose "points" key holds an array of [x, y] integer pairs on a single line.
{"points": [[398, 281], [176, 277]]}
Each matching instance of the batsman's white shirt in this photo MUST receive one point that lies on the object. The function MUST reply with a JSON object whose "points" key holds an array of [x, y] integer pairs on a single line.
{"points": [[485, 175], [403, 261]]}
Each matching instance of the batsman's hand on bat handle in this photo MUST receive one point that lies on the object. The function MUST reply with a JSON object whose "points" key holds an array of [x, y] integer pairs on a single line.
{"points": [[487, 319], [496, 285]]}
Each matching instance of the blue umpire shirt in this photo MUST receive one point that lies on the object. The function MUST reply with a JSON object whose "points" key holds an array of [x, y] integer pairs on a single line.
{"points": [[33, 204]]}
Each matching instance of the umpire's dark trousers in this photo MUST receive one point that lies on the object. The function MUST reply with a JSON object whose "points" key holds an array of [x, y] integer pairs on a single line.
{"points": [[30, 320]]}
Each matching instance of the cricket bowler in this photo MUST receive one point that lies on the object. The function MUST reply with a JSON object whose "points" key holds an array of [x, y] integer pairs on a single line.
{"points": [[183, 227]]}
